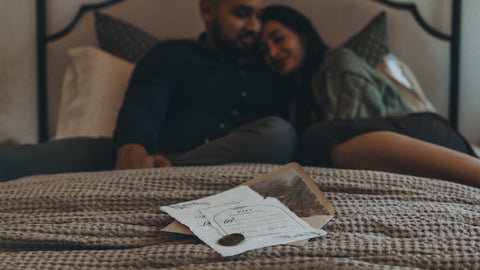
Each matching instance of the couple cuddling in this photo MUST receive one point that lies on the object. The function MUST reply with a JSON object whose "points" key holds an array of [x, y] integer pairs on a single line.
{"points": [[225, 97]]}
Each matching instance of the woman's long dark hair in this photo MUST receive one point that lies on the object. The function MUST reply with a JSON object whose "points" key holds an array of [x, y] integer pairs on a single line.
{"points": [[298, 23], [316, 49]]}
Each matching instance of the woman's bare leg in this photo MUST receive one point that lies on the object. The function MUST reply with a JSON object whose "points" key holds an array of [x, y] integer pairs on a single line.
{"points": [[393, 152]]}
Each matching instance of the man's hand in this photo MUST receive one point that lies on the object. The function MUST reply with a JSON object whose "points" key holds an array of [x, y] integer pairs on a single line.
{"points": [[134, 156], [161, 161]]}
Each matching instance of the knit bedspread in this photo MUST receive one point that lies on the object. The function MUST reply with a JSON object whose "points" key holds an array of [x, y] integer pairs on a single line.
{"points": [[112, 220]]}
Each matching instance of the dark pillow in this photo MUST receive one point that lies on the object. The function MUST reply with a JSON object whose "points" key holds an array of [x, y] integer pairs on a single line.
{"points": [[371, 42], [122, 39], [131, 43]]}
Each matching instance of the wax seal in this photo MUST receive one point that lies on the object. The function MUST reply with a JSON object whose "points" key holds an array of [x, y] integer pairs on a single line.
{"points": [[231, 239]]}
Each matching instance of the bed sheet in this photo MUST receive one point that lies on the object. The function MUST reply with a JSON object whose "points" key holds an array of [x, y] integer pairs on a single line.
{"points": [[112, 220]]}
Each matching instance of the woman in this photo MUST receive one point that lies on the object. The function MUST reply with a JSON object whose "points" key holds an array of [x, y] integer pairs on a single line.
{"points": [[385, 136]]}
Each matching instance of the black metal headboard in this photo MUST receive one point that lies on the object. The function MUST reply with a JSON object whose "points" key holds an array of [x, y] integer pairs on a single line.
{"points": [[43, 38]]}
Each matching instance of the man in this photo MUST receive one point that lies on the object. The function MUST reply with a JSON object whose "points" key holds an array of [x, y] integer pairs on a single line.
{"points": [[188, 102], [203, 94]]}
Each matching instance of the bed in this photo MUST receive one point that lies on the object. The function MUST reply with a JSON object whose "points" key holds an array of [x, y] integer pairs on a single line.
{"points": [[112, 219]]}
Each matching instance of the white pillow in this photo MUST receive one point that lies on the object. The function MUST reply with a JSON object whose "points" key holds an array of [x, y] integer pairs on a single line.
{"points": [[92, 93], [405, 82]]}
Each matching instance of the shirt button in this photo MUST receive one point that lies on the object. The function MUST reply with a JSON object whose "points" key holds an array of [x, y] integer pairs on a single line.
{"points": [[235, 112], [222, 126], [244, 94], [207, 140]]}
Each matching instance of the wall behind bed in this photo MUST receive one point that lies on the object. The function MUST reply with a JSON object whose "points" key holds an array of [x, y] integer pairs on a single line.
{"points": [[17, 55], [18, 97]]}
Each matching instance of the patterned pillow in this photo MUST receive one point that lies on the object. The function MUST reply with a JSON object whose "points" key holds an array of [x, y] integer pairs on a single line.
{"points": [[122, 39], [371, 42], [131, 43]]}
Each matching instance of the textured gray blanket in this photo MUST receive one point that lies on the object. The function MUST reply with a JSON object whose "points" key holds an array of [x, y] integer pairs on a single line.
{"points": [[112, 220]]}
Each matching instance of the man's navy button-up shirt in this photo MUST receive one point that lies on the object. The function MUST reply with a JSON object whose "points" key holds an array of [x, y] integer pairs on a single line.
{"points": [[182, 94]]}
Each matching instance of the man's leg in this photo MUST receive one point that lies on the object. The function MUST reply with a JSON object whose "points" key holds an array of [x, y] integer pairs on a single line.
{"points": [[68, 155], [267, 140], [393, 152]]}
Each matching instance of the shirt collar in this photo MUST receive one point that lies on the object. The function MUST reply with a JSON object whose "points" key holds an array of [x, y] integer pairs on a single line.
{"points": [[223, 57]]}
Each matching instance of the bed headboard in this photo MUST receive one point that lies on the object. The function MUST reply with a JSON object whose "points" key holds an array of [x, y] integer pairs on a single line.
{"points": [[52, 46]]}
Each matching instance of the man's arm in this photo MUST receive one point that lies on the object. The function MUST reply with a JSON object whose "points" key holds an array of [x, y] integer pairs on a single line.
{"points": [[143, 111]]}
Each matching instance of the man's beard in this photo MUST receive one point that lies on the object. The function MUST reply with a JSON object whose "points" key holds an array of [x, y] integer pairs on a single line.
{"points": [[230, 46]]}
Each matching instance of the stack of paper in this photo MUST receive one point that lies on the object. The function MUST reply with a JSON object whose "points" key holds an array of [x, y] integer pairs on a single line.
{"points": [[247, 220]]}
